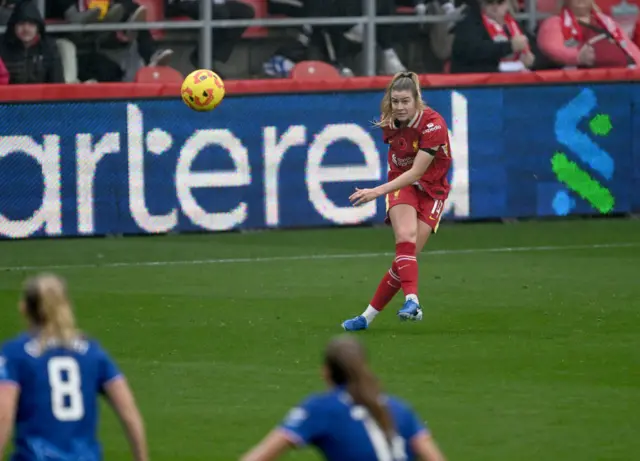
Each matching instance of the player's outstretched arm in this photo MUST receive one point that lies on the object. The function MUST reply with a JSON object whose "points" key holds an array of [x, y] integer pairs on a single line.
{"points": [[122, 400], [426, 449], [8, 401], [274, 445]]}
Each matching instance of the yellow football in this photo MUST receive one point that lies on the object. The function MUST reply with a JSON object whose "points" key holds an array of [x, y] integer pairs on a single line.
{"points": [[202, 90]]}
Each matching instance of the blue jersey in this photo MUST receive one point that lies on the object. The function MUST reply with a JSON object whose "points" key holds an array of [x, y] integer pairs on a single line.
{"points": [[343, 431], [57, 414]]}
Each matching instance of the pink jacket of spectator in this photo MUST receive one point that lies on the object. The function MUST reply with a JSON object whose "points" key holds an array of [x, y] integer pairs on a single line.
{"points": [[551, 43], [4, 74]]}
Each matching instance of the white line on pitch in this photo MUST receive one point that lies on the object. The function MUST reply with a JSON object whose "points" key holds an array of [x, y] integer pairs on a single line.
{"points": [[317, 257]]}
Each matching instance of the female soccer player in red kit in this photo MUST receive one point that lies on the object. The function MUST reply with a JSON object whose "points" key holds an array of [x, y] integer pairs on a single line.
{"points": [[417, 187]]}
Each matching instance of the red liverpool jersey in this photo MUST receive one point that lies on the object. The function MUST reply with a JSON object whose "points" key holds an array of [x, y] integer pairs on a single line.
{"points": [[427, 130]]}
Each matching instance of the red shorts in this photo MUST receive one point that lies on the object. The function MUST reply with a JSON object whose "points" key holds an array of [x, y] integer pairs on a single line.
{"points": [[429, 209]]}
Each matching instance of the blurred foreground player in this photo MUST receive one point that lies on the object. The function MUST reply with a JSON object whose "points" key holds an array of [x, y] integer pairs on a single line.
{"points": [[419, 160], [50, 379], [353, 421]]}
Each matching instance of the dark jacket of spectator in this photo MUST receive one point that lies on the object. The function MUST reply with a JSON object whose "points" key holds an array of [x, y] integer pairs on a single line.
{"points": [[36, 60], [476, 51]]}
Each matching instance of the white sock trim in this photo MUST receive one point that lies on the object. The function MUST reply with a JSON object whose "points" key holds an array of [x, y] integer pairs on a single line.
{"points": [[370, 313], [413, 298]]}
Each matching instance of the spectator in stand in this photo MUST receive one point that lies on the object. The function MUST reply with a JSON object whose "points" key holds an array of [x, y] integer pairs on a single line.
{"points": [[28, 53], [111, 11], [489, 39], [79, 12], [224, 39], [308, 39], [147, 47], [582, 36], [390, 64], [84, 12], [336, 42], [438, 42], [136, 48]]}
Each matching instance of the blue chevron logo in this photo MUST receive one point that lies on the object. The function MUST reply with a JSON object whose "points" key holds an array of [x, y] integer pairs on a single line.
{"points": [[568, 172]]}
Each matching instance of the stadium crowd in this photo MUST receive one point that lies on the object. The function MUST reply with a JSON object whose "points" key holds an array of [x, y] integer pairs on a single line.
{"points": [[475, 36]]}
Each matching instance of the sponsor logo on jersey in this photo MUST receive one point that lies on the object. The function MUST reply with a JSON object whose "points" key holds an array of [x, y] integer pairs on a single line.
{"points": [[402, 162], [431, 127]]}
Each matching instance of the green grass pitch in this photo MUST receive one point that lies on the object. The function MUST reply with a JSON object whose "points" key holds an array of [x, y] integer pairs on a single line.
{"points": [[522, 356]]}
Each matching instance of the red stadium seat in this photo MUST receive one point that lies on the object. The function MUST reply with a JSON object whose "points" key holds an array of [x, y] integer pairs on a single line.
{"points": [[159, 74], [314, 70]]}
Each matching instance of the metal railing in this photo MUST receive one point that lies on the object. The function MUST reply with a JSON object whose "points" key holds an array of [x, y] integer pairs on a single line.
{"points": [[369, 19]]}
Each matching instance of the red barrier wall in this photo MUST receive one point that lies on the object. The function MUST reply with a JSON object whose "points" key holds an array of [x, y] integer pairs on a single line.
{"points": [[37, 93]]}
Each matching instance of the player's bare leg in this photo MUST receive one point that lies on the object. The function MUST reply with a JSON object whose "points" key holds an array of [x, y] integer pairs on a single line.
{"points": [[424, 232]]}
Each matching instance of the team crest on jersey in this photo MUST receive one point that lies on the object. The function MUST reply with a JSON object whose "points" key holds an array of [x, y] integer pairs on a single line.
{"points": [[415, 145], [295, 417]]}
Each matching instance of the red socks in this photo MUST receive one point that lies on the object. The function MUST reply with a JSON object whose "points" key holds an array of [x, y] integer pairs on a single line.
{"points": [[407, 267], [403, 273], [387, 289]]}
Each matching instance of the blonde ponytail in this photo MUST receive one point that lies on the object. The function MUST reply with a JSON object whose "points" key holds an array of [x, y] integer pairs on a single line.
{"points": [[402, 81], [49, 308]]}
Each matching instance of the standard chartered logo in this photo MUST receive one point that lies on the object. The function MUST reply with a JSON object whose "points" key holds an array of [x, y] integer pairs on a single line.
{"points": [[579, 181]]}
